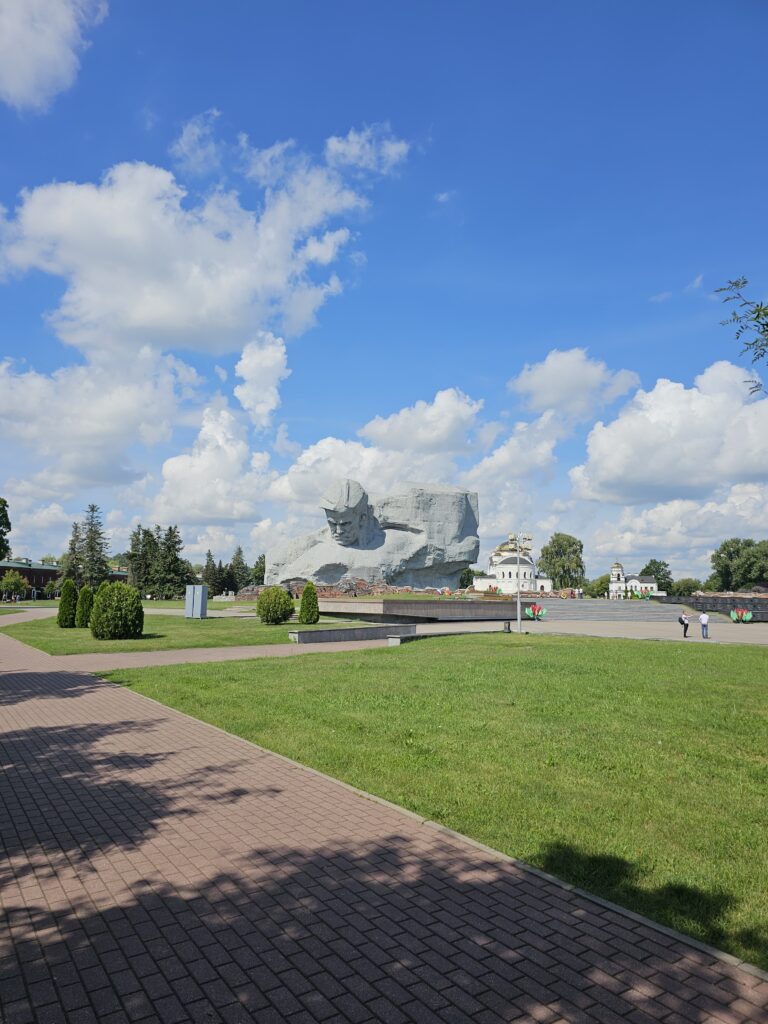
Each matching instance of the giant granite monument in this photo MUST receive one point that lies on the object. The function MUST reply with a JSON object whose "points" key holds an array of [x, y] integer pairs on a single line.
{"points": [[422, 537]]}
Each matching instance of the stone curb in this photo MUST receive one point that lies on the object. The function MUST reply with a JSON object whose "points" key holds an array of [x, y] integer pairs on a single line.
{"points": [[688, 940]]}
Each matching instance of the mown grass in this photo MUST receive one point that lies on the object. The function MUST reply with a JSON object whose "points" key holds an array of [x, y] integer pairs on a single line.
{"points": [[161, 633], [12, 611], [635, 769]]}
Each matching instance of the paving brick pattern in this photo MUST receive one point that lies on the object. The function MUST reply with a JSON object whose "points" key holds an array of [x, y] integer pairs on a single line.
{"points": [[158, 870]]}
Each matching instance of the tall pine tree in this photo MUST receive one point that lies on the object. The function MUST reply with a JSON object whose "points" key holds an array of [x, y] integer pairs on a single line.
{"points": [[171, 572], [142, 558], [210, 577], [95, 548], [72, 561], [5, 529], [259, 569], [240, 571]]}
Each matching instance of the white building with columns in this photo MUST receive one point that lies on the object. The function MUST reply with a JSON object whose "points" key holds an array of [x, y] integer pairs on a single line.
{"points": [[506, 572]]}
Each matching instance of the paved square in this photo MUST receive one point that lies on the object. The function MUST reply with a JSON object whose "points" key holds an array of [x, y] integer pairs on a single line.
{"points": [[159, 870]]}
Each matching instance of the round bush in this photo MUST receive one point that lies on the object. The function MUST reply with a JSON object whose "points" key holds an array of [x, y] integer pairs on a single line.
{"points": [[117, 613], [67, 605], [275, 605], [309, 611], [84, 607]]}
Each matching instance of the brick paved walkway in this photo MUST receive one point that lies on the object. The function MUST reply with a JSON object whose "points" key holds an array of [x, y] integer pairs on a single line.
{"points": [[159, 870]]}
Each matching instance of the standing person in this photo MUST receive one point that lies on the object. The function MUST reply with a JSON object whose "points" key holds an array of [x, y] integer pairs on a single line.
{"points": [[704, 620], [685, 623]]}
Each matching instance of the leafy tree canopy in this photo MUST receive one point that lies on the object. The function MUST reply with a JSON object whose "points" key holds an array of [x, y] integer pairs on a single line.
{"points": [[724, 561], [660, 572], [751, 319], [686, 586], [562, 560], [598, 587], [13, 584]]}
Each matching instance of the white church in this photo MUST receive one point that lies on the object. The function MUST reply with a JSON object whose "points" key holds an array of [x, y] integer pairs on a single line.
{"points": [[623, 584], [507, 572]]}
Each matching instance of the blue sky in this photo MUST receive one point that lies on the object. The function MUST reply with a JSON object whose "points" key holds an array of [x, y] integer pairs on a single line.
{"points": [[486, 258]]}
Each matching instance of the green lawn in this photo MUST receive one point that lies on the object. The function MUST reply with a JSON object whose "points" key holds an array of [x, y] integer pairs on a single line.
{"points": [[161, 633], [637, 770], [11, 610]]}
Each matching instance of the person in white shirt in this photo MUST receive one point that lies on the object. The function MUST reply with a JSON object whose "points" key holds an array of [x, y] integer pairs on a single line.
{"points": [[704, 620]]}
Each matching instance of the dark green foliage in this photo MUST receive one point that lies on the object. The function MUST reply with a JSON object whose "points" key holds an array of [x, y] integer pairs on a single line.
{"points": [[259, 569], [467, 578], [736, 565], [51, 588], [67, 605], [752, 320], [660, 572], [72, 561], [598, 587], [240, 571], [5, 529], [95, 548], [210, 575], [309, 611], [117, 613], [142, 557], [84, 607], [561, 559], [13, 584], [685, 587], [275, 605]]}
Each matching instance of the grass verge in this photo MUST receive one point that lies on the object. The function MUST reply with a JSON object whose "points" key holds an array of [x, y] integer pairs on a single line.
{"points": [[161, 633], [634, 769]]}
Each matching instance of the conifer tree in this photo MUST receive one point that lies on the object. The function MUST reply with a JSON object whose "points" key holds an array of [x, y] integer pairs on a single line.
{"points": [[259, 570], [72, 561], [309, 611], [142, 559], [240, 572], [67, 605], [5, 529], [209, 574], [84, 607], [171, 571], [95, 548]]}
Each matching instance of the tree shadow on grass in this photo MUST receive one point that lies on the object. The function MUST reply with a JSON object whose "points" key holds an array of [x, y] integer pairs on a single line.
{"points": [[686, 908], [400, 928]]}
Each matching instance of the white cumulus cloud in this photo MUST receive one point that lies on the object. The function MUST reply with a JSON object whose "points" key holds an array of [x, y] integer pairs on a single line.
{"points": [[571, 383], [262, 366], [40, 46], [439, 425], [677, 442]]}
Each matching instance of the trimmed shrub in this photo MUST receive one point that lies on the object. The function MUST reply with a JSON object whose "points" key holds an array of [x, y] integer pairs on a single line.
{"points": [[84, 607], [67, 605], [117, 613], [274, 605], [309, 611]]}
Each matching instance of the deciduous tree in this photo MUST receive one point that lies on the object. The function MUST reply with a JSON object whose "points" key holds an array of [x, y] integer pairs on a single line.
{"points": [[660, 572], [562, 560], [751, 319]]}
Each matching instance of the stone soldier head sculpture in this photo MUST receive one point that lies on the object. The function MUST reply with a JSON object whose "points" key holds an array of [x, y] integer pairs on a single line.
{"points": [[346, 509]]}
